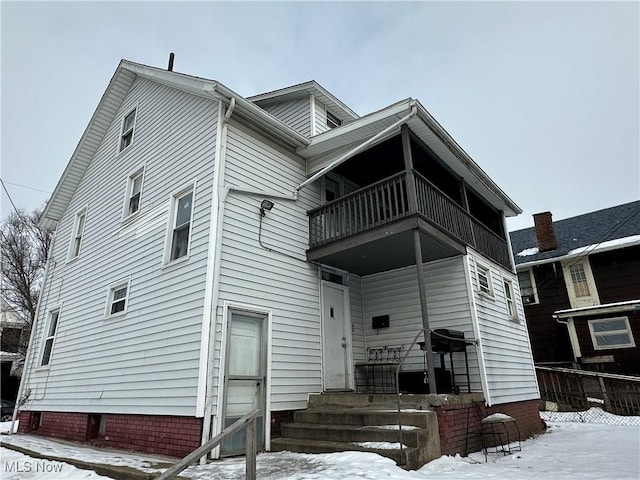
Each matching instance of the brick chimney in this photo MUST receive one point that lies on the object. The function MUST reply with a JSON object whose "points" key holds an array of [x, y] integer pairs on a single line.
{"points": [[544, 231]]}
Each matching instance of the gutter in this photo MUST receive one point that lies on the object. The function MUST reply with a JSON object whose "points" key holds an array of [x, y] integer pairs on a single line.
{"points": [[573, 335], [346, 156]]}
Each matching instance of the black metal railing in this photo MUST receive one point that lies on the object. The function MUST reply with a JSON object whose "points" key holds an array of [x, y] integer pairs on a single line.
{"points": [[387, 201]]}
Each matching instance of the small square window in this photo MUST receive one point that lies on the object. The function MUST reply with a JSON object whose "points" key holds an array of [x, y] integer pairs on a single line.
{"points": [[483, 275], [128, 125], [118, 299], [333, 121]]}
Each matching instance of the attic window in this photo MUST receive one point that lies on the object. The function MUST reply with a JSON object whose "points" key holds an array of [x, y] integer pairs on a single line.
{"points": [[333, 121], [126, 138]]}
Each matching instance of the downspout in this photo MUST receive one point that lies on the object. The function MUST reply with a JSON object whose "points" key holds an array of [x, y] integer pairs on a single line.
{"points": [[343, 158], [212, 292], [573, 336], [30, 347]]}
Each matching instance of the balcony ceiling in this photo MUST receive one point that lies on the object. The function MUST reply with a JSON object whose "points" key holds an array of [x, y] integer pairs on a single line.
{"points": [[380, 254]]}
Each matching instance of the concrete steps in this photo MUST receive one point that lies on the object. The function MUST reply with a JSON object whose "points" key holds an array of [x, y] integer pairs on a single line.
{"points": [[342, 422]]}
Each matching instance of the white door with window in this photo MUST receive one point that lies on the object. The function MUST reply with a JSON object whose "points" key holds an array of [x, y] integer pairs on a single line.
{"points": [[245, 376], [336, 337]]}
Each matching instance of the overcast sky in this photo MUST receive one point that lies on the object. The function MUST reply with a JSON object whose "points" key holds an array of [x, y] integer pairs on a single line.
{"points": [[543, 96]]}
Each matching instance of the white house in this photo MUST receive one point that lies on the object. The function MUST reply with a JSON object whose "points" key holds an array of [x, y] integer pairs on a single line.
{"points": [[214, 252]]}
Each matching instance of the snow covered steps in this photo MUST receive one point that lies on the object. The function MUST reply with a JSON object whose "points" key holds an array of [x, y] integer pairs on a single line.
{"points": [[323, 429]]}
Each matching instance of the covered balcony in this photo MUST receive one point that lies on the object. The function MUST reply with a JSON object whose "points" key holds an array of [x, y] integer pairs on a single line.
{"points": [[369, 227]]}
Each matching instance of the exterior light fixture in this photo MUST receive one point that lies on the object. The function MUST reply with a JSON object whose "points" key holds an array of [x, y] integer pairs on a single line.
{"points": [[265, 206]]}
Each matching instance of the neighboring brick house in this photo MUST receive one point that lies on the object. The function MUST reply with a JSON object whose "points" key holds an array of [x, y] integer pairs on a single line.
{"points": [[580, 284]]}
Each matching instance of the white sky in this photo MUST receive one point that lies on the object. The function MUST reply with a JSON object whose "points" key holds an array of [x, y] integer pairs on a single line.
{"points": [[543, 95]]}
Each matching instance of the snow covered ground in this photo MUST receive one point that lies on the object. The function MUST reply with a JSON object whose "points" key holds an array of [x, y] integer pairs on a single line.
{"points": [[570, 449]]}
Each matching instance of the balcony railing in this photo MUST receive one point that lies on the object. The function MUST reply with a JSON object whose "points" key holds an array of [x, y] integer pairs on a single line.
{"points": [[387, 201]]}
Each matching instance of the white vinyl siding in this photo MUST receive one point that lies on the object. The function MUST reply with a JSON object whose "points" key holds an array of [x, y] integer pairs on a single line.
{"points": [[395, 293], [295, 113], [283, 283], [505, 344], [147, 361], [358, 338]]}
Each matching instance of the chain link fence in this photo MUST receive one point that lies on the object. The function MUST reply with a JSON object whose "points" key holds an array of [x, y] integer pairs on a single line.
{"points": [[589, 397]]}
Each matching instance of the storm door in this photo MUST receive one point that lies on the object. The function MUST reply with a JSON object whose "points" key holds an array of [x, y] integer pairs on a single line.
{"points": [[245, 376]]}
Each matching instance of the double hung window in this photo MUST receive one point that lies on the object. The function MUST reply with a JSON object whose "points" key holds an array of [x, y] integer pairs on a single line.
{"points": [[128, 125], [50, 336], [181, 230]]}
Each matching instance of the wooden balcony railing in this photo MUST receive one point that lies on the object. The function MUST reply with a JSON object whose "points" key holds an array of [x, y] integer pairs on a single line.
{"points": [[387, 201]]}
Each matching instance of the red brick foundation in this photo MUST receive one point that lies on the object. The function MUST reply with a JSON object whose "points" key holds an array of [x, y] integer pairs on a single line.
{"points": [[455, 421], [164, 435], [277, 419]]}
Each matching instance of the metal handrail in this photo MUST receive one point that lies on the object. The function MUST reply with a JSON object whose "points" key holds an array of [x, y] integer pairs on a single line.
{"points": [[248, 421], [415, 339]]}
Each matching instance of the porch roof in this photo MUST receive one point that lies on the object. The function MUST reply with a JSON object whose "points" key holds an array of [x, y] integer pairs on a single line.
{"points": [[329, 146]]}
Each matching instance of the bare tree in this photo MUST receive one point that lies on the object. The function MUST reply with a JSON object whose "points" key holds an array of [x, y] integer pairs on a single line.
{"points": [[24, 247]]}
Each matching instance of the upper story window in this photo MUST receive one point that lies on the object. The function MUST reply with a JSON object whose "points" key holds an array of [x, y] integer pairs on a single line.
{"points": [[611, 333], [118, 299], [181, 224], [528, 289], [483, 275], [580, 283], [509, 299], [332, 120], [134, 192], [128, 125], [50, 336], [78, 234]]}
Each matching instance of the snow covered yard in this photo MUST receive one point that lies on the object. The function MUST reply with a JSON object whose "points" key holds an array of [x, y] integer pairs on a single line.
{"points": [[580, 451]]}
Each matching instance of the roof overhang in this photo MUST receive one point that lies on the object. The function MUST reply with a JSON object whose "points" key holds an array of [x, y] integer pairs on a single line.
{"points": [[328, 146], [628, 306], [301, 90], [607, 246], [110, 103]]}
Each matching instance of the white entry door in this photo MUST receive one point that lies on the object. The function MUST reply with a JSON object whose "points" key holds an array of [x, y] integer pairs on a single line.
{"points": [[336, 337], [245, 376]]}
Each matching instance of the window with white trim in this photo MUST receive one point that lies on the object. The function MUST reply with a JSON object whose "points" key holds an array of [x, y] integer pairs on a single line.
{"points": [[483, 276], [579, 280], [181, 224], [609, 333], [509, 299], [128, 125], [332, 120], [118, 299], [134, 192], [78, 234], [50, 336], [528, 290]]}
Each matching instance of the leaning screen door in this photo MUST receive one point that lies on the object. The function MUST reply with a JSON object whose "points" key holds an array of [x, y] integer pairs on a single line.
{"points": [[245, 377]]}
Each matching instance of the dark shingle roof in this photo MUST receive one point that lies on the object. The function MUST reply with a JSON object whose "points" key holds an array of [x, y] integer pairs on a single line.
{"points": [[581, 231]]}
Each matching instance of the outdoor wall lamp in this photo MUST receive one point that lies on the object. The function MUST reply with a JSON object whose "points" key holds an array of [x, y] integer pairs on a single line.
{"points": [[265, 206]]}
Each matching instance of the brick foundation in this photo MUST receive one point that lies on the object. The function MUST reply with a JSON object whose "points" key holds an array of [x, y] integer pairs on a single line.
{"points": [[455, 421], [277, 419], [164, 435]]}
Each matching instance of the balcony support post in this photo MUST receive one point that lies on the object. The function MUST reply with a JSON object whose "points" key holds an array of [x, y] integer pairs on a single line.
{"points": [[412, 195], [428, 351]]}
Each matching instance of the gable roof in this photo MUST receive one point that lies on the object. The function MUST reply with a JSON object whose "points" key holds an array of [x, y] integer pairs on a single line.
{"points": [[108, 108], [312, 87], [607, 229]]}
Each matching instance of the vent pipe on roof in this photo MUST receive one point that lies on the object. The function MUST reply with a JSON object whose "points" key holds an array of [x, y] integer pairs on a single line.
{"points": [[171, 58], [545, 234]]}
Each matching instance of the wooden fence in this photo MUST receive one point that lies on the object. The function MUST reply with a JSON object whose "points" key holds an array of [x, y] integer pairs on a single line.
{"points": [[575, 390]]}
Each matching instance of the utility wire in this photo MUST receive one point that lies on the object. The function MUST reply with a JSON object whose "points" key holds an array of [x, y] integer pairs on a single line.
{"points": [[26, 222], [28, 187]]}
